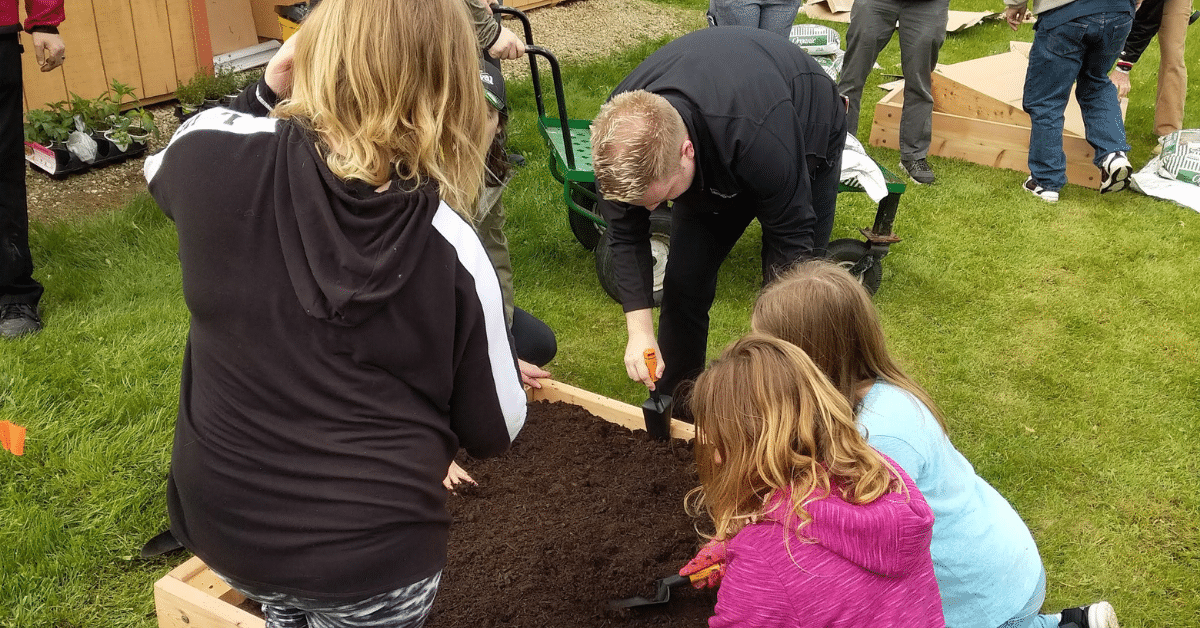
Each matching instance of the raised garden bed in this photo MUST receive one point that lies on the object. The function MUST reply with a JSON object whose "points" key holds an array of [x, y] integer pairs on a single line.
{"points": [[579, 512]]}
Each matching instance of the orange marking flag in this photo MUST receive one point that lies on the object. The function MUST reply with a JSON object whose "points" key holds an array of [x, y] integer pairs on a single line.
{"points": [[12, 437]]}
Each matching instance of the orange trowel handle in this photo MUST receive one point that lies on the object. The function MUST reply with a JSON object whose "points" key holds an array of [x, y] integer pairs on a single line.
{"points": [[651, 363]]}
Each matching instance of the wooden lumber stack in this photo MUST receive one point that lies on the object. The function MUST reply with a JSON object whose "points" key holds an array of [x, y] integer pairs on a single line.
{"points": [[977, 117]]}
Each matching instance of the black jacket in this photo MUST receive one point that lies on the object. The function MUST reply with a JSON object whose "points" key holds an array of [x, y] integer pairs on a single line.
{"points": [[1146, 23], [343, 345], [761, 114]]}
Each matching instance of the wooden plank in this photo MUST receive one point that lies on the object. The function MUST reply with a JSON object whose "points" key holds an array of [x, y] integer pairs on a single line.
{"points": [[40, 87], [212, 585], [984, 142], [83, 69], [230, 25], [118, 46], [180, 605], [152, 38], [183, 41], [610, 410], [950, 96]]}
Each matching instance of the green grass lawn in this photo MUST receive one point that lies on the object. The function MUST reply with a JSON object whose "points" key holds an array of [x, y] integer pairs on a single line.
{"points": [[1061, 341]]}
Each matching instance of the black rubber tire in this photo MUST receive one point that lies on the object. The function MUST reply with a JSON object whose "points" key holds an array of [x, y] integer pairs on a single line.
{"points": [[586, 230], [849, 252], [660, 248]]}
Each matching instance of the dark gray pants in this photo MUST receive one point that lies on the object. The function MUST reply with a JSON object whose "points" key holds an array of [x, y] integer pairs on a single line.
{"points": [[922, 28]]}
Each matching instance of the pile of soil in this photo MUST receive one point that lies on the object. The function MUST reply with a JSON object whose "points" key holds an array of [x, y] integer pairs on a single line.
{"points": [[579, 512]]}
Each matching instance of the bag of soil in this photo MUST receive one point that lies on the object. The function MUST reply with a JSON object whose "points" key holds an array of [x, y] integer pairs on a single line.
{"points": [[1180, 159]]}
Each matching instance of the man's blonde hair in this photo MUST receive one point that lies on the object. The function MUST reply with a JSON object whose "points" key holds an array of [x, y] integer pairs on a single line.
{"points": [[394, 86], [635, 141]]}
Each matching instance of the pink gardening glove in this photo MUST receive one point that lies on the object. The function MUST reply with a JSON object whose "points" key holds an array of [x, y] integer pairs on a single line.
{"points": [[708, 567]]}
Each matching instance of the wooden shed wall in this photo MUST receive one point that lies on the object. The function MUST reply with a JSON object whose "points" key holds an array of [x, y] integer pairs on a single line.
{"points": [[149, 45]]}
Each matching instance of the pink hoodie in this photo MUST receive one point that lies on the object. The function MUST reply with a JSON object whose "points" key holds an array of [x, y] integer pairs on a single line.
{"points": [[869, 566]]}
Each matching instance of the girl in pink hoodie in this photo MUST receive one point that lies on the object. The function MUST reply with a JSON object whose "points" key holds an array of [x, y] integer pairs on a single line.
{"points": [[812, 525]]}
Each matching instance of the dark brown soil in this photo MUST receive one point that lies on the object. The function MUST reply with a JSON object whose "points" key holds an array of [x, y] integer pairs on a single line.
{"points": [[579, 512]]}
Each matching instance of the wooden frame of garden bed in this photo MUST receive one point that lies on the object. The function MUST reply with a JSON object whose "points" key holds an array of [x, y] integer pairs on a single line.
{"points": [[192, 596]]}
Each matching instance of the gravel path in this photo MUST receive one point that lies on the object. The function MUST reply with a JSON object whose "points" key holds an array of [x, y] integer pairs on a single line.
{"points": [[573, 31]]}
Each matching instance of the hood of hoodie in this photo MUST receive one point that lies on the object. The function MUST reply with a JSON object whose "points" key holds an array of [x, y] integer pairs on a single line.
{"points": [[347, 248], [889, 536]]}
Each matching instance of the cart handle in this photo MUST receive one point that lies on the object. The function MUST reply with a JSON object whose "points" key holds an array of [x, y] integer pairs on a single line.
{"points": [[534, 50]]}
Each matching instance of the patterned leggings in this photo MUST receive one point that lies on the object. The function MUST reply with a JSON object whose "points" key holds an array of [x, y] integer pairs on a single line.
{"points": [[406, 607]]}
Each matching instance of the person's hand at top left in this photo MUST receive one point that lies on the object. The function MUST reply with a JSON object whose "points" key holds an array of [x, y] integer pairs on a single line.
{"points": [[48, 49]]}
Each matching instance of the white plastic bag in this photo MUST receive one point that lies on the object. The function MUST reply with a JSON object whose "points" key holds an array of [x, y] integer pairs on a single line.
{"points": [[82, 146]]}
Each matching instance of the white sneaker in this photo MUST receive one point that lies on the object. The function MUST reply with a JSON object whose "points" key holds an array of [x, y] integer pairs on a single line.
{"points": [[1115, 171], [1098, 615], [1033, 188]]}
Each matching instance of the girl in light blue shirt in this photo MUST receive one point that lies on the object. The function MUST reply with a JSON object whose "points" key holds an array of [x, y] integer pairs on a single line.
{"points": [[988, 569]]}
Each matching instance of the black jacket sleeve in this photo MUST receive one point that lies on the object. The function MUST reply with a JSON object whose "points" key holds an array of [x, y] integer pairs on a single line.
{"points": [[256, 100], [1146, 23], [629, 238]]}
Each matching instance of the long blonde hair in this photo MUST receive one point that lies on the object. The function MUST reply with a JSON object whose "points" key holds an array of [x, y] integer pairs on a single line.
{"points": [[393, 87], [636, 140], [775, 423], [821, 308]]}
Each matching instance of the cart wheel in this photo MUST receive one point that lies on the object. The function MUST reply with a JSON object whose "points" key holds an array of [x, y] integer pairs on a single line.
{"points": [[586, 230], [853, 255], [660, 247]]}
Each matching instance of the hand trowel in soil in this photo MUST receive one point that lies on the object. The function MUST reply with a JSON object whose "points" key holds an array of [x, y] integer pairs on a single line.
{"points": [[654, 409], [663, 589]]}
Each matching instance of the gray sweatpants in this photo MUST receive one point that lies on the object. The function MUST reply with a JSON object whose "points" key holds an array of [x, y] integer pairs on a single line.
{"points": [[922, 27]]}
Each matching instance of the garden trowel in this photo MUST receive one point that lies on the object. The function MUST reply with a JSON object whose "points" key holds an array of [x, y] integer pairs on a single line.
{"points": [[654, 409], [663, 588]]}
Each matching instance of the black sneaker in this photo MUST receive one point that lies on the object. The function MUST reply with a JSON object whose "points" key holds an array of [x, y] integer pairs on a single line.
{"points": [[918, 170], [1098, 615], [18, 319], [1114, 172]]}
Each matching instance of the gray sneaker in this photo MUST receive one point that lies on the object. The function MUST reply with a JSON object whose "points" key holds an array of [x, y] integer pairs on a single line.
{"points": [[18, 319], [918, 170]]}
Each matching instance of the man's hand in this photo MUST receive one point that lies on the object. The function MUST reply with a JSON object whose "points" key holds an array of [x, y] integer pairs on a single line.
{"points": [[1121, 80], [530, 374], [641, 337], [1016, 15], [48, 49], [713, 553], [456, 476], [508, 46], [279, 69]]}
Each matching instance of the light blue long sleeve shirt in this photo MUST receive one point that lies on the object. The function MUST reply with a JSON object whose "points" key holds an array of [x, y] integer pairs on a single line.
{"points": [[985, 558]]}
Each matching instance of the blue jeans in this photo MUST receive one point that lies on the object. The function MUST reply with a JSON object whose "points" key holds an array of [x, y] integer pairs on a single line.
{"points": [[1081, 51], [776, 16]]}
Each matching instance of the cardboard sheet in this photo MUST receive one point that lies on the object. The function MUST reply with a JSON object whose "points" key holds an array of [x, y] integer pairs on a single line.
{"points": [[839, 11]]}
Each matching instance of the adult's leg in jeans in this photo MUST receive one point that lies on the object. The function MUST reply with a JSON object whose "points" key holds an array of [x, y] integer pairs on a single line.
{"points": [[536, 343], [16, 264], [1054, 63], [1097, 95], [734, 12], [872, 23], [922, 31], [700, 241], [1172, 71], [778, 16]]}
